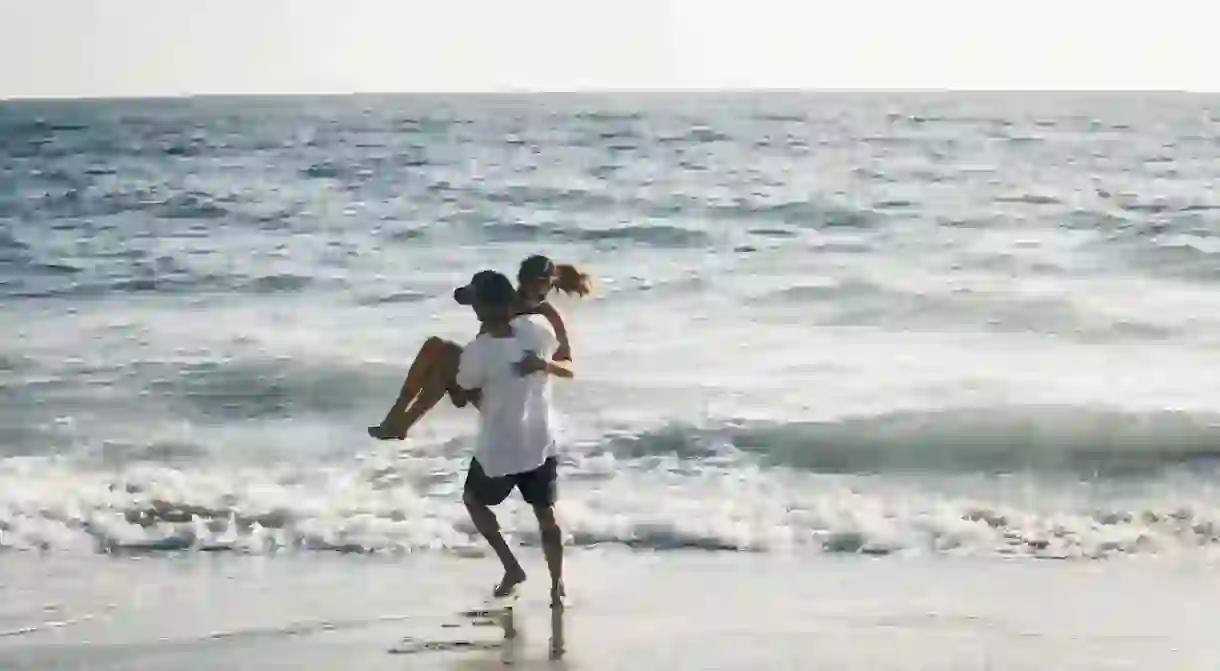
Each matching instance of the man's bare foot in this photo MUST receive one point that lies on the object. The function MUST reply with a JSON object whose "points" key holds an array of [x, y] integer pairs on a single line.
{"points": [[385, 431], [509, 582]]}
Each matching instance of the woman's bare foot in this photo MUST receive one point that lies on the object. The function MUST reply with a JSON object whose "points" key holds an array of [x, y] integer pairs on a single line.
{"points": [[509, 582]]}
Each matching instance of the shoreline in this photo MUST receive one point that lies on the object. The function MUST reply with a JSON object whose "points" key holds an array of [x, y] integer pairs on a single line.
{"points": [[633, 609]]}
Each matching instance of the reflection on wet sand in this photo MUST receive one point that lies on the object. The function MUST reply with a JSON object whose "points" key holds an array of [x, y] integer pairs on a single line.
{"points": [[510, 644], [510, 647], [557, 641]]}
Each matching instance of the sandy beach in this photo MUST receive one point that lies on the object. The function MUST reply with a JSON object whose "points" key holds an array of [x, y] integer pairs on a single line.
{"points": [[660, 610]]}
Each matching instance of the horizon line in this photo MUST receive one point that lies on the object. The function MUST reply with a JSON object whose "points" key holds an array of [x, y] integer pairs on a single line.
{"points": [[528, 92]]}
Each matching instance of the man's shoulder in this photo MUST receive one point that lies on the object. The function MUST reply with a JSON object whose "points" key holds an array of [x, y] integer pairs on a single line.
{"points": [[533, 325], [531, 318]]}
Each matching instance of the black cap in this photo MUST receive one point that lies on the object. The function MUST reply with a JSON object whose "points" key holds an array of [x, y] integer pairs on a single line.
{"points": [[487, 288], [536, 267]]}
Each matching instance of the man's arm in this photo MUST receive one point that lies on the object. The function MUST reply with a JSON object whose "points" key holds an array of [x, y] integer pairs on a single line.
{"points": [[540, 344]]}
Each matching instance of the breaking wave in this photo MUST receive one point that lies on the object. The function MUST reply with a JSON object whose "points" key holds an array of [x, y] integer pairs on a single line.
{"points": [[762, 488]]}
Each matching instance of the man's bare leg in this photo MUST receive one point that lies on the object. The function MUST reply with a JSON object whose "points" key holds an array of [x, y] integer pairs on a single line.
{"points": [[552, 548], [485, 521]]}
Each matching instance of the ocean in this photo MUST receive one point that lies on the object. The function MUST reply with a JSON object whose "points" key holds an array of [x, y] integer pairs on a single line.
{"points": [[884, 324]]}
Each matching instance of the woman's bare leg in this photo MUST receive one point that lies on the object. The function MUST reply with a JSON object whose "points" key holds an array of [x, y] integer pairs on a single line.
{"points": [[438, 379], [441, 378], [425, 360]]}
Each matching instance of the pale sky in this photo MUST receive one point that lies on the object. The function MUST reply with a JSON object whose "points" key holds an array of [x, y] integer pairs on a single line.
{"points": [[172, 47]]}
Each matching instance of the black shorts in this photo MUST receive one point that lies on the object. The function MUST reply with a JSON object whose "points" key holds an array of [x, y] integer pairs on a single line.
{"points": [[538, 487]]}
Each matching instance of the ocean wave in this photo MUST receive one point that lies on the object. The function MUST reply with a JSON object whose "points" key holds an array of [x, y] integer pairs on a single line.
{"points": [[548, 197], [413, 505], [1065, 482], [190, 205], [1168, 251], [75, 205], [773, 232], [1029, 199], [862, 301], [265, 388], [391, 298], [650, 235], [326, 170], [278, 283], [52, 280], [655, 235], [11, 248], [809, 214], [608, 117], [1070, 441]]}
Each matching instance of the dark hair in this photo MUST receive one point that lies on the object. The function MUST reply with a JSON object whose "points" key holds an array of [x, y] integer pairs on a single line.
{"points": [[567, 277], [487, 288], [535, 267]]}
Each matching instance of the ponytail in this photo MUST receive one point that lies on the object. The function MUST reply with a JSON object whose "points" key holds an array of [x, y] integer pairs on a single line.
{"points": [[569, 279]]}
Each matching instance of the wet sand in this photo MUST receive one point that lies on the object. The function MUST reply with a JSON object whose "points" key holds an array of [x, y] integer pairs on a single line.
{"points": [[661, 610]]}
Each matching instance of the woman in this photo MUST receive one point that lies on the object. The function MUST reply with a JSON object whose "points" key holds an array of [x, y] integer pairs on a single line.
{"points": [[432, 374]]}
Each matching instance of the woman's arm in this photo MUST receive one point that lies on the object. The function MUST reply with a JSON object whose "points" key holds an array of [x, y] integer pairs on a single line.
{"points": [[560, 368], [564, 351]]}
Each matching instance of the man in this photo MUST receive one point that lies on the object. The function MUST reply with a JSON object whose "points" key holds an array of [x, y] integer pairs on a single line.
{"points": [[510, 362]]}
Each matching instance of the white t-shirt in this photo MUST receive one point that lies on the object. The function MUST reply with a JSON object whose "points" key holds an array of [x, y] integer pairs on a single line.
{"points": [[516, 429]]}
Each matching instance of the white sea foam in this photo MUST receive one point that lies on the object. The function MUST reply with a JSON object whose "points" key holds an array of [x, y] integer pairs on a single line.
{"points": [[660, 502]]}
